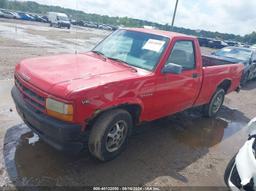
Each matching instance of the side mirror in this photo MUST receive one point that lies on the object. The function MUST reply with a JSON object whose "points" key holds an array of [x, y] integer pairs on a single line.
{"points": [[172, 68]]}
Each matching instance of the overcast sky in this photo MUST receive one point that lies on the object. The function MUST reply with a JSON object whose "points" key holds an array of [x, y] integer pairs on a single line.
{"points": [[231, 16]]}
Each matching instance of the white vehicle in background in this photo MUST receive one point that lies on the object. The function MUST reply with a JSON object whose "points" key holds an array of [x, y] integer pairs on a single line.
{"points": [[241, 170], [59, 20], [6, 14], [1, 13], [253, 46]]}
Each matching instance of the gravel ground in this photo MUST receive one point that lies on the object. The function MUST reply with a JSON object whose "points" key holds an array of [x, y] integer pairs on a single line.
{"points": [[182, 150]]}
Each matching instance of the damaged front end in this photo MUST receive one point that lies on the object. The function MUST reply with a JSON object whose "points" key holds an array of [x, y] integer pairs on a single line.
{"points": [[241, 171]]}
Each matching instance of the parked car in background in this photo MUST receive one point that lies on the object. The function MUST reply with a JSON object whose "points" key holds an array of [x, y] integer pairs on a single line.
{"points": [[231, 43], [105, 27], [78, 23], [16, 15], [1, 14], [39, 18], [132, 76], [25, 16], [211, 43], [203, 41], [253, 46], [90, 24], [217, 44], [7, 14], [59, 20], [45, 18], [246, 56], [31, 16], [240, 173], [245, 45], [114, 27]]}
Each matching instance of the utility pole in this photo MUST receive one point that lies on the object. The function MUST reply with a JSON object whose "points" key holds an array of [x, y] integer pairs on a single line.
{"points": [[174, 14]]}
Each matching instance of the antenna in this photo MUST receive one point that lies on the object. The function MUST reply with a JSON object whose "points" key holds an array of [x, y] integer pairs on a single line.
{"points": [[174, 14], [76, 32]]}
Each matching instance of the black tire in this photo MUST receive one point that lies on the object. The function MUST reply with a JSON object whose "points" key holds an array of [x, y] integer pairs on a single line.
{"points": [[210, 110], [235, 178], [51, 25], [228, 170], [105, 126], [244, 79]]}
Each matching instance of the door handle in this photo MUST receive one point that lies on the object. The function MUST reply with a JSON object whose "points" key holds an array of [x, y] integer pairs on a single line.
{"points": [[195, 75]]}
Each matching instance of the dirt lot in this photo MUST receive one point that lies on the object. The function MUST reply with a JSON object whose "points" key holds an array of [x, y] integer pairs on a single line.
{"points": [[182, 150], [19, 40]]}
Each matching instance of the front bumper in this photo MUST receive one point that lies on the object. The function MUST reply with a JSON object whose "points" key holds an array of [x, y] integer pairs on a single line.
{"points": [[61, 135]]}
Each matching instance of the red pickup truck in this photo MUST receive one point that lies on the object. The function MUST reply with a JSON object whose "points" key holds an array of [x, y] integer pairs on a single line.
{"points": [[132, 76]]}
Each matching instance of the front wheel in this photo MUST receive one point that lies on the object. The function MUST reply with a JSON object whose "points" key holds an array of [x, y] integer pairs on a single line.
{"points": [[109, 134], [212, 108]]}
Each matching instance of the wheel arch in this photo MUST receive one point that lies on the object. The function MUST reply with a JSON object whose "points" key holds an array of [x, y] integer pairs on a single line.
{"points": [[225, 84], [134, 109]]}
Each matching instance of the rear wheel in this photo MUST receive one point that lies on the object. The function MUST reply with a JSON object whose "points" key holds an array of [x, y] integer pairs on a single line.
{"points": [[244, 79], [212, 108], [109, 134]]}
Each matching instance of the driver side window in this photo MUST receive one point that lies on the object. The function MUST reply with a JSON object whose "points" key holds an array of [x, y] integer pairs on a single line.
{"points": [[183, 54], [118, 47]]}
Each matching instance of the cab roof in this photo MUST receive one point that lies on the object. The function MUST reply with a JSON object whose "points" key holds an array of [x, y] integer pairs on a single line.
{"points": [[159, 32]]}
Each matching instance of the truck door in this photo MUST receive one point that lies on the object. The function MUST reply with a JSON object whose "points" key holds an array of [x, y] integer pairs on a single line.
{"points": [[177, 92]]}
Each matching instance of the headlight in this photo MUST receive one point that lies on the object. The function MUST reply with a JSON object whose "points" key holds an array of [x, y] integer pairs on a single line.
{"points": [[252, 127], [59, 109]]}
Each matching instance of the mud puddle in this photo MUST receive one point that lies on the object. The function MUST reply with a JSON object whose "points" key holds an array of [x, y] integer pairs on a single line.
{"points": [[163, 147], [6, 103]]}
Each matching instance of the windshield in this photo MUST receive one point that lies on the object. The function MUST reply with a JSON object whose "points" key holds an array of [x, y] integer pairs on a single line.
{"points": [[237, 53], [137, 49], [62, 18]]}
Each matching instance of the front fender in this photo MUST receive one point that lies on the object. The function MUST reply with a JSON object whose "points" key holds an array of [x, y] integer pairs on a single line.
{"points": [[246, 162], [122, 102], [112, 105]]}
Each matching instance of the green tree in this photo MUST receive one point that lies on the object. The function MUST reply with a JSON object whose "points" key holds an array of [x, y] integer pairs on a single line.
{"points": [[250, 38]]}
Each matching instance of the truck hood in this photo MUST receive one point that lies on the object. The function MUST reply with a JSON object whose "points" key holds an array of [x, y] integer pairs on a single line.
{"points": [[60, 75]]}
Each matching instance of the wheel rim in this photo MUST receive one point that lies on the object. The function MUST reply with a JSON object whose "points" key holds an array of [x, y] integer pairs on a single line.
{"points": [[217, 103], [116, 136]]}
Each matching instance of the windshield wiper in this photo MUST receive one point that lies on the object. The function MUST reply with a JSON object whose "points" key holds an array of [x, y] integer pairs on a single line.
{"points": [[124, 62], [99, 53]]}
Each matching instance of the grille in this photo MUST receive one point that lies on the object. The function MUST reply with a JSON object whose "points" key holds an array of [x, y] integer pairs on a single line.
{"points": [[32, 98]]}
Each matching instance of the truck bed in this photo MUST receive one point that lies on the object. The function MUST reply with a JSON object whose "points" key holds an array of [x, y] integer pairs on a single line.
{"points": [[215, 60], [215, 71]]}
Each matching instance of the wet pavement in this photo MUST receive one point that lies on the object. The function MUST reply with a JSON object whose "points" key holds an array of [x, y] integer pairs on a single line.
{"points": [[159, 153], [52, 39], [181, 150], [21, 40]]}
